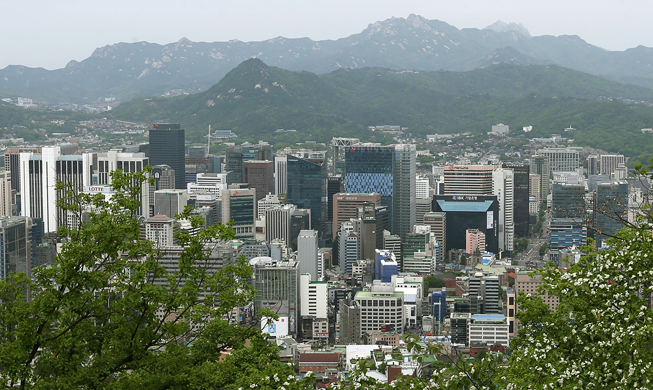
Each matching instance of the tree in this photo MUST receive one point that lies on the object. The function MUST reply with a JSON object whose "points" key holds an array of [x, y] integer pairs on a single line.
{"points": [[601, 334], [432, 281], [543, 249], [109, 314]]}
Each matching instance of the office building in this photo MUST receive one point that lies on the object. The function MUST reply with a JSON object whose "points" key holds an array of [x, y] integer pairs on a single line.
{"points": [[468, 179], [266, 203], [12, 163], [610, 162], [422, 207], [314, 307], [6, 198], [540, 166], [348, 247], [170, 202], [345, 206], [593, 165], [167, 146], [565, 233], [116, 159], [521, 185], [238, 205], [475, 241], [561, 159], [278, 221], [15, 246], [484, 294], [503, 187], [381, 299], [365, 227], [568, 201], [39, 177], [389, 171], [307, 254], [469, 212], [385, 266], [276, 285], [160, 229], [235, 157], [280, 174], [299, 220], [422, 187], [610, 209], [403, 209], [438, 225], [305, 188], [488, 329], [259, 175]]}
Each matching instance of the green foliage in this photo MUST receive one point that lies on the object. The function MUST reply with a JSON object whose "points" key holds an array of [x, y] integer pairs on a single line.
{"points": [[521, 244], [543, 249], [432, 281], [102, 315]]}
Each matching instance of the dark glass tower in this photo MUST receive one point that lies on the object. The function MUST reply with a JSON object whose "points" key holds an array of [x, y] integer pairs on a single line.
{"points": [[306, 179], [167, 145], [520, 196], [610, 209]]}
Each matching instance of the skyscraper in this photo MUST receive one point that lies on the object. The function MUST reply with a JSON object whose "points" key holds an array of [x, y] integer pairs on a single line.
{"points": [[540, 166], [610, 209], [561, 159], [568, 201], [167, 146], [305, 188], [260, 175], [521, 198], [389, 171], [503, 187], [468, 179], [307, 253]]}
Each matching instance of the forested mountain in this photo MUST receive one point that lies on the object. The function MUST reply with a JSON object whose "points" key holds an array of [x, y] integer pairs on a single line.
{"points": [[126, 70], [254, 100]]}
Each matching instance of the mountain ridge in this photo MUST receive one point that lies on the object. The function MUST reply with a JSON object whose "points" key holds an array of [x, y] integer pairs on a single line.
{"points": [[126, 70]]}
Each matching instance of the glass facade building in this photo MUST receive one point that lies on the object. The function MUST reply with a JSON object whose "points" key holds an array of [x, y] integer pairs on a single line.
{"points": [[167, 146], [306, 187]]}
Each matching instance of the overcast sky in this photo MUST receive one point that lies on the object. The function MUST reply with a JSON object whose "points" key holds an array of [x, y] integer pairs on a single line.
{"points": [[49, 33]]}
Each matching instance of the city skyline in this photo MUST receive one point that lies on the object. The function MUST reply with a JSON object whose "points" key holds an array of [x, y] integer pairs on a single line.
{"points": [[49, 35]]}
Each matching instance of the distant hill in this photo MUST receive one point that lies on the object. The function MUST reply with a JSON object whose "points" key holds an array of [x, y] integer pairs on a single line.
{"points": [[255, 99], [127, 70]]}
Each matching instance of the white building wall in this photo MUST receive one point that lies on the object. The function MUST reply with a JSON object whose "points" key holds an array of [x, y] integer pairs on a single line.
{"points": [[307, 253], [503, 186]]}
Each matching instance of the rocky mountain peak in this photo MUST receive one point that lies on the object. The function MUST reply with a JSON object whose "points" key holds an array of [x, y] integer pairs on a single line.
{"points": [[500, 26]]}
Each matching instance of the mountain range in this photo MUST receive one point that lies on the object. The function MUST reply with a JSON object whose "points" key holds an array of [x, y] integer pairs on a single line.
{"points": [[127, 70]]}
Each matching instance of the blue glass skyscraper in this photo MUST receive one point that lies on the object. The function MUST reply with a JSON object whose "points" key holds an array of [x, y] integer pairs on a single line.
{"points": [[306, 181]]}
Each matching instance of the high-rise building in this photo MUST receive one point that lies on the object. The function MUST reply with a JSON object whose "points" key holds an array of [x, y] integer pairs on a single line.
{"points": [[345, 206], [127, 162], [469, 212], [280, 174], [349, 247], [16, 248], [167, 146], [487, 288], [160, 229], [568, 201], [503, 187], [370, 169], [540, 166], [438, 224], [307, 254], [236, 155], [277, 222], [39, 177], [239, 205], [403, 208], [260, 175], [6, 200], [475, 241], [12, 163], [610, 209], [422, 207], [521, 198], [276, 284], [306, 180], [593, 165], [381, 297], [299, 220], [422, 187], [610, 162], [561, 159], [468, 179], [170, 202], [266, 203]]}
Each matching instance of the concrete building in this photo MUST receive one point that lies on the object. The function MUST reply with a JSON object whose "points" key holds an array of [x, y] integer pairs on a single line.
{"points": [[259, 175], [610, 162], [503, 187], [345, 206], [239, 205], [276, 284], [488, 329], [170, 202], [475, 241], [268, 202], [160, 229], [278, 223], [468, 179], [381, 308], [438, 224], [6, 198], [16, 248], [314, 303], [561, 159], [307, 254], [540, 166]]}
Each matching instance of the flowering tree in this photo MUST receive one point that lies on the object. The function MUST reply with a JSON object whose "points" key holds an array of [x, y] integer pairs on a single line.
{"points": [[601, 334]]}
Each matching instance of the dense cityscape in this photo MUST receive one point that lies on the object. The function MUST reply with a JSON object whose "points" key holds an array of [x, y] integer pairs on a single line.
{"points": [[352, 245]]}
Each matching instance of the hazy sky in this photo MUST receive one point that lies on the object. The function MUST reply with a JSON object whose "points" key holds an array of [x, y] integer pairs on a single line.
{"points": [[49, 33]]}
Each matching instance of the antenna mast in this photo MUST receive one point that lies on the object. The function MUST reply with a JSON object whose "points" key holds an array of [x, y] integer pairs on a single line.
{"points": [[208, 143]]}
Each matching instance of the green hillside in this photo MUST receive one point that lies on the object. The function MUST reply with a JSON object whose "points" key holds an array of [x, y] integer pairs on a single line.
{"points": [[254, 100]]}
